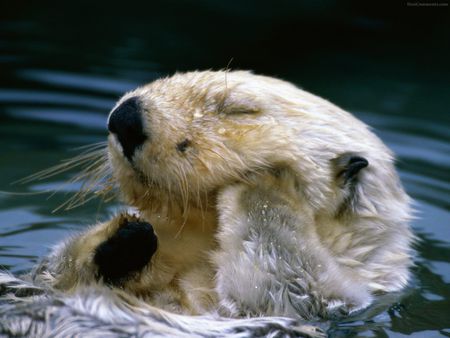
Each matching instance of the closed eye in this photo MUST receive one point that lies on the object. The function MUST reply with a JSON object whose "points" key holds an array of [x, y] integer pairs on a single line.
{"points": [[241, 111], [241, 107]]}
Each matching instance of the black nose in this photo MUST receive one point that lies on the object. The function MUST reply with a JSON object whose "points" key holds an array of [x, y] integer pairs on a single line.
{"points": [[128, 251], [126, 122]]}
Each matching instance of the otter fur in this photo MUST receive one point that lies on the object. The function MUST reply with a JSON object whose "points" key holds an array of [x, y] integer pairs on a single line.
{"points": [[250, 197]]}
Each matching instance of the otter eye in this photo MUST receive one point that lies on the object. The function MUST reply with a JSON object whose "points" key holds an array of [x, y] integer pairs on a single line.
{"points": [[182, 146], [239, 106], [242, 111]]}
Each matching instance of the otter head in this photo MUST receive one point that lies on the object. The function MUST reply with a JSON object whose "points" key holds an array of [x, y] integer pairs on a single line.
{"points": [[176, 141]]}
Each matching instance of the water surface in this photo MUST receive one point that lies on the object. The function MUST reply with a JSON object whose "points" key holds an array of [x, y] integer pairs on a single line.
{"points": [[62, 67]]}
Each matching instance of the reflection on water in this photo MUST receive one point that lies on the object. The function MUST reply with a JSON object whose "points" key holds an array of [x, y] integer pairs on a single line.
{"points": [[59, 79]]}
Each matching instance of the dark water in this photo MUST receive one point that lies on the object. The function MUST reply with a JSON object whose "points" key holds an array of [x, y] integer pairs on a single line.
{"points": [[63, 65]]}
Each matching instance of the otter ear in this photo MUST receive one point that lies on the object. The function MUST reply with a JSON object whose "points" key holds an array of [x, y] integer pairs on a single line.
{"points": [[347, 166]]}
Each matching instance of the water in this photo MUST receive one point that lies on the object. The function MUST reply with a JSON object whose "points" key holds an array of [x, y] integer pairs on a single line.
{"points": [[63, 66]]}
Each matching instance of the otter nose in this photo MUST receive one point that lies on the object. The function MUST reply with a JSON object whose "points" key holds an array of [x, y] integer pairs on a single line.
{"points": [[126, 123]]}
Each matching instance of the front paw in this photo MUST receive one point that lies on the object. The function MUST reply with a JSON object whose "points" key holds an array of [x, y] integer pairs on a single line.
{"points": [[126, 252]]}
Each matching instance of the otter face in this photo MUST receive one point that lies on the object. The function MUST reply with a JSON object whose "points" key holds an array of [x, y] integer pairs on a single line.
{"points": [[188, 135]]}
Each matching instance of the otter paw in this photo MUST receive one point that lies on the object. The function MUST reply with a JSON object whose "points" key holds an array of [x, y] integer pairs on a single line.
{"points": [[126, 252]]}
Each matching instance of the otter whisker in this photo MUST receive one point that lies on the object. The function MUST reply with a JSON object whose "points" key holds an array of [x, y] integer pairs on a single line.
{"points": [[184, 192], [95, 175], [185, 189], [204, 164], [92, 171], [85, 157], [200, 204], [220, 155], [179, 181], [79, 198], [224, 95], [89, 147]]}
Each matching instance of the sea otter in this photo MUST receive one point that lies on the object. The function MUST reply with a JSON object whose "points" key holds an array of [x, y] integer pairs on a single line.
{"points": [[251, 197]]}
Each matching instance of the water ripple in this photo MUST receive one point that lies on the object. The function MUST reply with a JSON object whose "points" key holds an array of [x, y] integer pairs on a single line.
{"points": [[88, 82]]}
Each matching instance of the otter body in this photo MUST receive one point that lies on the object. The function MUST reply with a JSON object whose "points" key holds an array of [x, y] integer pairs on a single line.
{"points": [[253, 198]]}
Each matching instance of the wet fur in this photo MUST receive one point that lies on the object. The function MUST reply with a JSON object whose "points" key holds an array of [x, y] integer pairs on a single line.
{"points": [[249, 185], [28, 310]]}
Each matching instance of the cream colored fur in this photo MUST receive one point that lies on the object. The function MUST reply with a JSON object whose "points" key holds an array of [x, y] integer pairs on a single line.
{"points": [[251, 219]]}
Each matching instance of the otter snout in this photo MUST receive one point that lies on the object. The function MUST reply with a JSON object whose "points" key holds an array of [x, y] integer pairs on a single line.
{"points": [[126, 123], [128, 251]]}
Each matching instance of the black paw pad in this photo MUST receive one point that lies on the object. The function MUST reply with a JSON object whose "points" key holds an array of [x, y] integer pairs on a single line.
{"points": [[126, 252]]}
